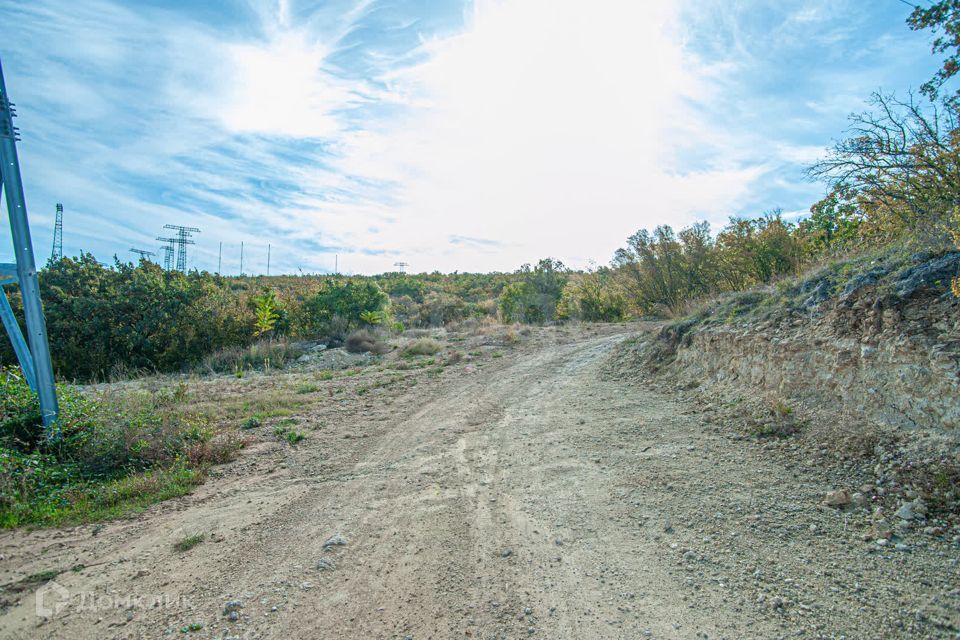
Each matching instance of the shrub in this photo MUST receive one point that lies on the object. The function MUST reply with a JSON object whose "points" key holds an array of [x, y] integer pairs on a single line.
{"points": [[363, 341], [341, 305], [421, 347]]}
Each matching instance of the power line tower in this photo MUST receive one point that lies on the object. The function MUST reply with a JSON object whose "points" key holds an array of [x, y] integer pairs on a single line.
{"points": [[143, 253], [183, 233], [34, 351], [401, 266], [58, 235], [167, 252]]}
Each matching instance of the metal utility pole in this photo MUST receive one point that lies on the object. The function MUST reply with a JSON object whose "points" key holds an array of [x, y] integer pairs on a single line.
{"points": [[57, 252], [219, 258], [336, 263], [143, 253], [401, 266], [183, 233], [268, 259], [168, 252], [24, 272], [241, 257]]}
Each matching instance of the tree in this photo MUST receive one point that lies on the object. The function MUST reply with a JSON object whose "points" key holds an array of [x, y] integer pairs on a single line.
{"points": [[664, 269], [902, 162], [593, 297], [943, 18], [535, 297], [833, 222]]}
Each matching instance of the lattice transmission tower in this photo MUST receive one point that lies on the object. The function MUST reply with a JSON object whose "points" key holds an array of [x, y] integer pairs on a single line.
{"points": [[401, 266], [33, 352], [143, 253], [168, 252], [182, 240], [57, 252]]}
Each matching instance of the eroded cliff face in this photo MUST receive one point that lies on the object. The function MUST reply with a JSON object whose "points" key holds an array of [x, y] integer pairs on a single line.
{"points": [[883, 344]]}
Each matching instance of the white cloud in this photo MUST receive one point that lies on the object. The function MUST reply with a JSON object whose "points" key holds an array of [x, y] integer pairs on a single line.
{"points": [[544, 127], [549, 125]]}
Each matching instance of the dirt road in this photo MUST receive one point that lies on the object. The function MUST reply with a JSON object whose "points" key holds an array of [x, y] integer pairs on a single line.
{"points": [[532, 498]]}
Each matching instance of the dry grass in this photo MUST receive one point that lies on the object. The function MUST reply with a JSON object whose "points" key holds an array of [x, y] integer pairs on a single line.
{"points": [[364, 341], [266, 354], [421, 347]]}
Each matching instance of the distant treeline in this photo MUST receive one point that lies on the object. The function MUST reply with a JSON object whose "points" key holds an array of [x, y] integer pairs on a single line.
{"points": [[105, 320]]}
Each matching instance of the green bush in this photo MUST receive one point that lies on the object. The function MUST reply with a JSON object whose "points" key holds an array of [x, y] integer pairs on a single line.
{"points": [[341, 305]]}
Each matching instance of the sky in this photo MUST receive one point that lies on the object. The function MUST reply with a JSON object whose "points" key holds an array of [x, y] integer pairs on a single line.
{"points": [[452, 135]]}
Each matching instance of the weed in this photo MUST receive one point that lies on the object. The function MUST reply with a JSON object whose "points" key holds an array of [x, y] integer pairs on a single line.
{"points": [[779, 421], [40, 577], [251, 423], [497, 354], [189, 542], [307, 387], [293, 437]]}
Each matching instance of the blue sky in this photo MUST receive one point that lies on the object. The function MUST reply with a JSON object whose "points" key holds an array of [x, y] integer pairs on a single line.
{"points": [[451, 135]]}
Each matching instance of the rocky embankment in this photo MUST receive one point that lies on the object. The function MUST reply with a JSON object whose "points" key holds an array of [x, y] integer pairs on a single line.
{"points": [[882, 343], [855, 367]]}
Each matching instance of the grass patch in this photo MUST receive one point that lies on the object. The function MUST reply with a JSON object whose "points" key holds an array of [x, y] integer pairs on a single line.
{"points": [[260, 356], [95, 502], [189, 542], [110, 455], [306, 387]]}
